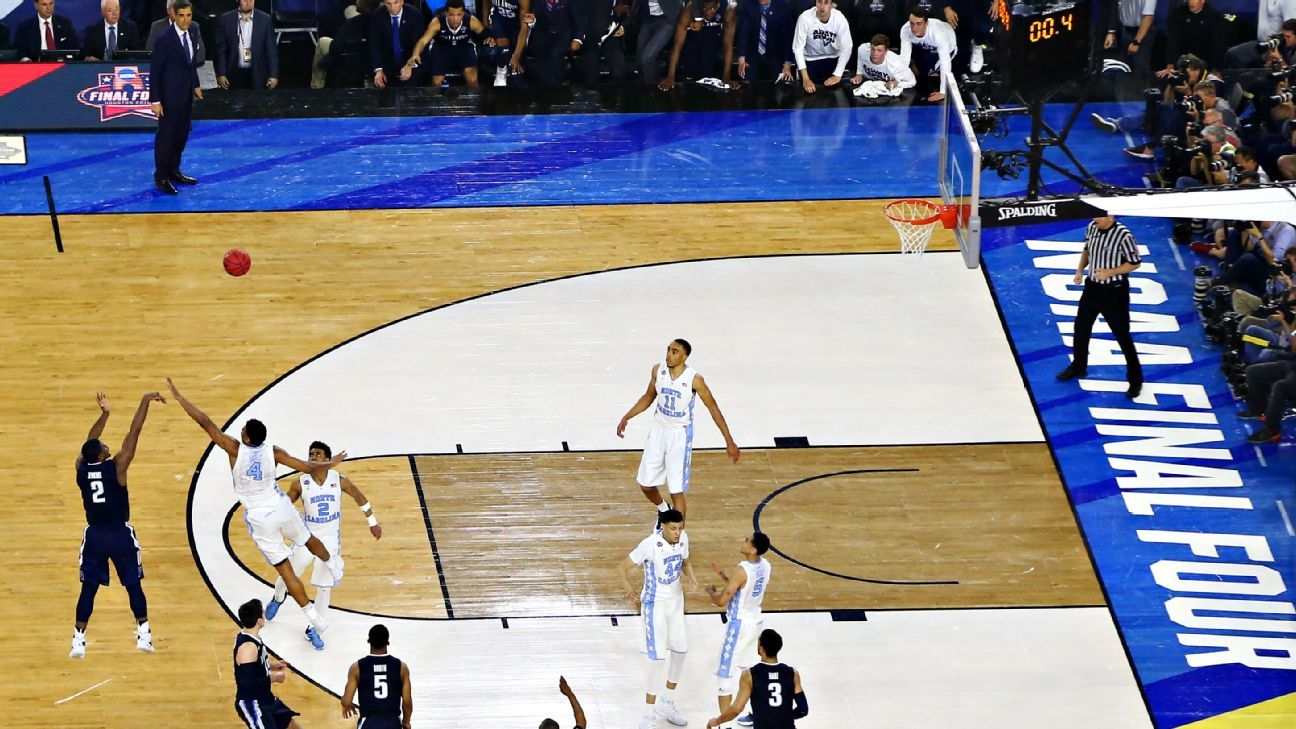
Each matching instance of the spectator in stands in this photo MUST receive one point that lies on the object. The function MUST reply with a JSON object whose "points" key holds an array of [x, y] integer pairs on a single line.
{"points": [[195, 34], [44, 31], [769, 58], [247, 56], [877, 63], [1272, 14], [1129, 32], [821, 44], [935, 43], [1197, 28], [1263, 244], [656, 20], [393, 33], [352, 39], [451, 35], [699, 43], [604, 39], [1225, 244], [111, 34], [555, 30], [1271, 386]]}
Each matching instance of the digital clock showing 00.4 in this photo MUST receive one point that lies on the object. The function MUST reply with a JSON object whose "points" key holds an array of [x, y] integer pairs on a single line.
{"points": [[1043, 29]]}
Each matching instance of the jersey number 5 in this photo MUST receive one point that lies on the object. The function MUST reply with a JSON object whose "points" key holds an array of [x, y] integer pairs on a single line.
{"points": [[776, 694], [380, 686], [97, 492]]}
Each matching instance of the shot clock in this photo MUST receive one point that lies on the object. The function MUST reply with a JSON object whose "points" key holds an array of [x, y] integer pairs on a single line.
{"points": [[1042, 43]]}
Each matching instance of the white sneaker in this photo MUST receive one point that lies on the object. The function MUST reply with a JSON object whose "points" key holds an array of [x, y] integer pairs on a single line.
{"points": [[144, 640], [976, 61], [647, 722], [501, 76], [78, 646], [666, 710]]}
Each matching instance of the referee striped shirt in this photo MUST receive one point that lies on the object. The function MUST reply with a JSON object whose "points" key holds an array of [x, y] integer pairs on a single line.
{"points": [[1108, 249]]}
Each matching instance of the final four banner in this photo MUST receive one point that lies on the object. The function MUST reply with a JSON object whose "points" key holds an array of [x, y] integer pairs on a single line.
{"points": [[37, 96]]}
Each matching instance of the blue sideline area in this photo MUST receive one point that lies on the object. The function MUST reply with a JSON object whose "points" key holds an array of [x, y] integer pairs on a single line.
{"points": [[357, 163], [1148, 477]]}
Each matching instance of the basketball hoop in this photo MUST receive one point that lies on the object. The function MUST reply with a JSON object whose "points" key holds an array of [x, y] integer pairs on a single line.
{"points": [[915, 220]]}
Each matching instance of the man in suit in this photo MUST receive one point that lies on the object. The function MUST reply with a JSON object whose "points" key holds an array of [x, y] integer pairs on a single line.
{"points": [[393, 33], [247, 56], [44, 32], [657, 20], [4, 36], [167, 23], [604, 36], [352, 38], [559, 29], [771, 59], [113, 33], [173, 86]]}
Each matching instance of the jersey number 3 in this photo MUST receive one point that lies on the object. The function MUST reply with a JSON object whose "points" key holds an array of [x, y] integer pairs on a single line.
{"points": [[254, 470], [776, 694]]}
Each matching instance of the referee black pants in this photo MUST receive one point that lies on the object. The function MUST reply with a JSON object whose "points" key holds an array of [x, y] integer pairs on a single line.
{"points": [[1113, 302]]}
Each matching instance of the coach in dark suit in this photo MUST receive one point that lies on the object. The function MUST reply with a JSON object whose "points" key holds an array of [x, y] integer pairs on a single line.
{"points": [[164, 24], [559, 30], [247, 56], [173, 86], [393, 32], [772, 59], [109, 35], [44, 31]]}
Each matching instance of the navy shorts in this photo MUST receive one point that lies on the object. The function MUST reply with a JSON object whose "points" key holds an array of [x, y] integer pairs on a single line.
{"points": [[273, 714], [452, 59], [379, 722], [116, 542], [502, 27]]}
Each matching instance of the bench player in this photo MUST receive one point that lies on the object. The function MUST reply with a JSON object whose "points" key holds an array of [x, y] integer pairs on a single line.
{"points": [[321, 492], [269, 514], [108, 534], [668, 454]]}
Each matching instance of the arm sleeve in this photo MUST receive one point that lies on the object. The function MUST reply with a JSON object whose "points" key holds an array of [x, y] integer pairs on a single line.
{"points": [[157, 74], [846, 42], [945, 47], [906, 45], [1130, 248], [1174, 29], [860, 55], [376, 28], [271, 49], [798, 42], [799, 706], [218, 61], [901, 72]]}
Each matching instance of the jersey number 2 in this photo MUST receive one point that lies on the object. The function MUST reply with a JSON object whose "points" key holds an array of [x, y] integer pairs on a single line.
{"points": [[380, 686], [97, 492], [776, 694]]}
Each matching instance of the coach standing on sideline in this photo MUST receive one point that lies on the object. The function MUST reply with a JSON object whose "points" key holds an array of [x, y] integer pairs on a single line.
{"points": [[1111, 255], [173, 86]]}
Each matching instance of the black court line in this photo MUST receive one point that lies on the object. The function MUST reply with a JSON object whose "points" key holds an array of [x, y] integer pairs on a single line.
{"points": [[427, 522], [756, 526]]}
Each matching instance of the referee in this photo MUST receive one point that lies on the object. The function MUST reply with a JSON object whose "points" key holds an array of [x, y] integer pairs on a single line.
{"points": [[1110, 254]]}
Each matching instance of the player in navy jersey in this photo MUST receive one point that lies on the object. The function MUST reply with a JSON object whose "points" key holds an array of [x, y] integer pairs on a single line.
{"points": [[578, 714], [108, 534], [381, 684], [773, 688], [453, 36], [698, 42], [254, 702]]}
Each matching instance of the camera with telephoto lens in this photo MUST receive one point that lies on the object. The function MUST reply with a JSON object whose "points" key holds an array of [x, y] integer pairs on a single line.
{"points": [[1283, 97], [1195, 129], [1201, 283], [1224, 328], [1190, 103], [1218, 164], [1218, 301], [1272, 43]]}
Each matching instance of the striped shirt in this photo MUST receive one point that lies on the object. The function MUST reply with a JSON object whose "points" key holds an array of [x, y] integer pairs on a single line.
{"points": [[1108, 249]]}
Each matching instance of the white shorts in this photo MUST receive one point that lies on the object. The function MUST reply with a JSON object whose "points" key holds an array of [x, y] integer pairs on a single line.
{"points": [[302, 559], [666, 458], [270, 527], [663, 624], [739, 648]]}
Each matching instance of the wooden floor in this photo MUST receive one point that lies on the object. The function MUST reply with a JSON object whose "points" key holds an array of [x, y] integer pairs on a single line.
{"points": [[138, 298]]}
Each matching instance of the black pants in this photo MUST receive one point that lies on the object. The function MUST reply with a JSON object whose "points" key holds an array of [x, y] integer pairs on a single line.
{"points": [[172, 136], [1113, 302], [1270, 387]]}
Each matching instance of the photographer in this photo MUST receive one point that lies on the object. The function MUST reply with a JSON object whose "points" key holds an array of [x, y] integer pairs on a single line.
{"points": [[1225, 244], [1270, 387], [1213, 159], [1271, 15], [1264, 243], [1268, 338], [1272, 60], [1164, 113]]}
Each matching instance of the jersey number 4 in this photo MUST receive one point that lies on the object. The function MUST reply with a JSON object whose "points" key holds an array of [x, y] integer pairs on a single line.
{"points": [[254, 470]]}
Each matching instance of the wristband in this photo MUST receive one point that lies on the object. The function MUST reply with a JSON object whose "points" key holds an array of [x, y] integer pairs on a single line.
{"points": [[373, 520], [366, 507], [1136, 42]]}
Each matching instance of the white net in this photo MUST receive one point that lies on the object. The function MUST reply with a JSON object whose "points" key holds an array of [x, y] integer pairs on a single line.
{"points": [[914, 220]]}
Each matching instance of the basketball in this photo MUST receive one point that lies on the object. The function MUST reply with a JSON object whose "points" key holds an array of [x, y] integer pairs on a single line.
{"points": [[237, 262]]}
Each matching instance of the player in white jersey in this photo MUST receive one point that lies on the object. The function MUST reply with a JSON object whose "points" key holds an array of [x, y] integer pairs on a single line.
{"points": [[879, 66], [321, 492], [821, 45], [269, 515], [668, 453], [663, 557], [741, 597], [935, 38]]}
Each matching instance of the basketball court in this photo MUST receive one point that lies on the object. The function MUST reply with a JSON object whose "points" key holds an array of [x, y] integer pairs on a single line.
{"points": [[468, 305]]}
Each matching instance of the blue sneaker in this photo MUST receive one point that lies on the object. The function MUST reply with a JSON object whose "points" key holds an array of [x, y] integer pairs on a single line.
{"points": [[272, 609], [746, 720], [314, 637]]}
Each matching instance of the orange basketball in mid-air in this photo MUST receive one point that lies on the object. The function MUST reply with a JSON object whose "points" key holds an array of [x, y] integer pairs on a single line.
{"points": [[237, 262]]}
